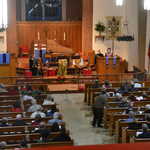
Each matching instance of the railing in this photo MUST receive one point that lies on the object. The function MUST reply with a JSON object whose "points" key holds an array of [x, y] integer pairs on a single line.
{"points": [[76, 79]]}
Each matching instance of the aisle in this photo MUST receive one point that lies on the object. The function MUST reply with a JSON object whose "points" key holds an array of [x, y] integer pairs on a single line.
{"points": [[77, 118]]}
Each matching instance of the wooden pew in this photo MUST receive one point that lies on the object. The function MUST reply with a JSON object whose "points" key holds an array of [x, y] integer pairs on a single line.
{"points": [[65, 143], [121, 136], [114, 118], [139, 140], [109, 111]]}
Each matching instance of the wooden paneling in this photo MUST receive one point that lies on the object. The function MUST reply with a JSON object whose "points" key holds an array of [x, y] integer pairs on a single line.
{"points": [[27, 32], [11, 31], [87, 26]]}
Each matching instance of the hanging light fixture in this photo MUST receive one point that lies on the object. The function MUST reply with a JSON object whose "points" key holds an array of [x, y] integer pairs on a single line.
{"points": [[147, 4], [119, 2], [3, 14]]}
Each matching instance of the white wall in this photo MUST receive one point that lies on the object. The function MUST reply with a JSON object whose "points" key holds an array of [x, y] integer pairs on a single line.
{"points": [[127, 50], [147, 40], [3, 42]]}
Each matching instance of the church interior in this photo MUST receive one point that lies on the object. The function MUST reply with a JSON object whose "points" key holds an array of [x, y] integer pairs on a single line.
{"points": [[74, 74]]}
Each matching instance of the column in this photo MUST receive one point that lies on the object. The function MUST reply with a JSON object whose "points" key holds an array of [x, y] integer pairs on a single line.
{"points": [[11, 31], [87, 25]]}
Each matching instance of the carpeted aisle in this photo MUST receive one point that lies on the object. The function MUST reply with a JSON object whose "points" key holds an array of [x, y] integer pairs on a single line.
{"points": [[137, 146]]}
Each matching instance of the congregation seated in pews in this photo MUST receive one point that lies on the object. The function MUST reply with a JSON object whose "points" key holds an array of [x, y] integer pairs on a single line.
{"points": [[126, 108], [30, 118]]}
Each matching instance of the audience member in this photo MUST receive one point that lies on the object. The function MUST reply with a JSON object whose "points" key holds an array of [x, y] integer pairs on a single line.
{"points": [[55, 120], [17, 107], [19, 121], [4, 122], [37, 121], [63, 136], [38, 112], [34, 107], [3, 145], [145, 133], [49, 100], [44, 132], [131, 117], [107, 85], [124, 103]]}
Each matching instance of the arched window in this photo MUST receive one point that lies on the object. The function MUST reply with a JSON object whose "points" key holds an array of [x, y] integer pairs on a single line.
{"points": [[44, 10], [3, 14]]}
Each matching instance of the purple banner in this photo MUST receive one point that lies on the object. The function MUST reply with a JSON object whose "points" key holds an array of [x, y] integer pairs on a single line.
{"points": [[114, 60], [107, 60]]}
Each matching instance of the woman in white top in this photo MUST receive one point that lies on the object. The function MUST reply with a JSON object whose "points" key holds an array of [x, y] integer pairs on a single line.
{"points": [[49, 100]]}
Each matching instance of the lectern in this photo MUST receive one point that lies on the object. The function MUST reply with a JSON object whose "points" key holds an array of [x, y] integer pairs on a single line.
{"points": [[110, 68]]}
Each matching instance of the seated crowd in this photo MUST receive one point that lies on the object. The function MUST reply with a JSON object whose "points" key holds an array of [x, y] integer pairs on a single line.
{"points": [[34, 115], [131, 101]]}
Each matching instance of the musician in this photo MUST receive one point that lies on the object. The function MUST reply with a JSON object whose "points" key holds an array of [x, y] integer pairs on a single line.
{"points": [[109, 52]]}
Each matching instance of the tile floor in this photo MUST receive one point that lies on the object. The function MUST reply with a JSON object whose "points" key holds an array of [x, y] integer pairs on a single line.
{"points": [[78, 117]]}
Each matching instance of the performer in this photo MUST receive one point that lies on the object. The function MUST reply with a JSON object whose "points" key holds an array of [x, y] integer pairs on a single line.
{"points": [[31, 62], [62, 69], [109, 52]]}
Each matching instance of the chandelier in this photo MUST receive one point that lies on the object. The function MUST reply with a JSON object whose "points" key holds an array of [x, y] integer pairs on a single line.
{"points": [[119, 2], [147, 4], [3, 15]]}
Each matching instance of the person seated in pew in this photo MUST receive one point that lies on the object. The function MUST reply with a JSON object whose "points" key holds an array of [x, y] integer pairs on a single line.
{"points": [[19, 121], [4, 122], [37, 121], [57, 114], [3, 145], [132, 98], [23, 90], [34, 107], [126, 87], [55, 120], [131, 117], [38, 112], [119, 97], [44, 132], [50, 112], [17, 107], [49, 100], [96, 84], [134, 126], [107, 85], [36, 92], [27, 97], [124, 102], [56, 127], [62, 137], [145, 133], [147, 109], [3, 88]]}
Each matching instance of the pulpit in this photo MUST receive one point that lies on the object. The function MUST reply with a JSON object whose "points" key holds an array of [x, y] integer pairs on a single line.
{"points": [[110, 68]]}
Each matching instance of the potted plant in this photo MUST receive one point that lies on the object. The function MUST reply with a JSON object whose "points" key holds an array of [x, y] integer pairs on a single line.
{"points": [[100, 27]]}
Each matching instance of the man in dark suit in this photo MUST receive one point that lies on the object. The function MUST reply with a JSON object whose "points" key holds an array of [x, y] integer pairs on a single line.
{"points": [[98, 109]]}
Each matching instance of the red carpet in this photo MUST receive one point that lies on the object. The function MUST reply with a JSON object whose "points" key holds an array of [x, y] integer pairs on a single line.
{"points": [[137, 146]]}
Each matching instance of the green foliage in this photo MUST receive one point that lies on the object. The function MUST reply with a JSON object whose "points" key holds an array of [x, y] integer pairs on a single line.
{"points": [[2, 29], [100, 27]]}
